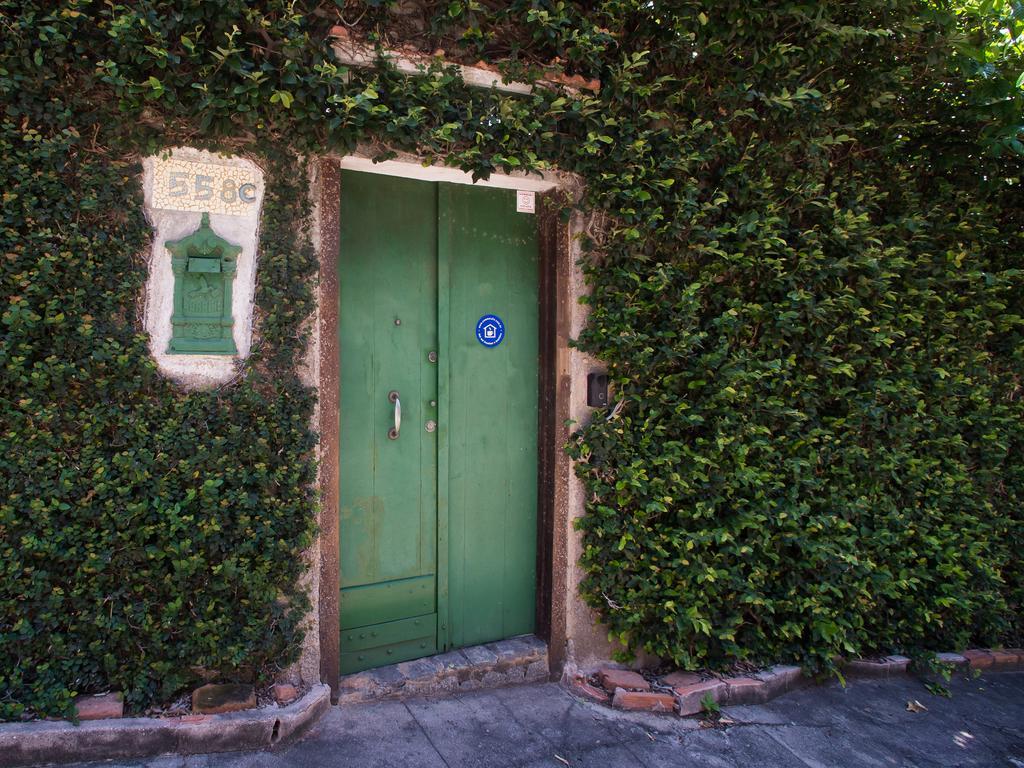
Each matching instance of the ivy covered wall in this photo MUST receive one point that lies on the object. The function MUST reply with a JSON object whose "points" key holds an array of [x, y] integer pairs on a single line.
{"points": [[808, 296]]}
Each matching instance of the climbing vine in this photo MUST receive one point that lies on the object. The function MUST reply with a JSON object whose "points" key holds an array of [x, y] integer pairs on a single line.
{"points": [[808, 298]]}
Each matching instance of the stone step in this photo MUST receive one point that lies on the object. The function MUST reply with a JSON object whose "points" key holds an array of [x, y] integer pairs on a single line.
{"points": [[521, 659]]}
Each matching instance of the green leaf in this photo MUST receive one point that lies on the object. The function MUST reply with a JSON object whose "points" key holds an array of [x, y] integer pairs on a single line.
{"points": [[285, 98]]}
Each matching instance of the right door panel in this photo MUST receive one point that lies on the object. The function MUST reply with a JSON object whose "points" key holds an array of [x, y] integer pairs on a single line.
{"points": [[488, 253]]}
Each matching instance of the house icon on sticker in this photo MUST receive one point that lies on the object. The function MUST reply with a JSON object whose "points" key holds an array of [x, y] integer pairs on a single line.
{"points": [[490, 331]]}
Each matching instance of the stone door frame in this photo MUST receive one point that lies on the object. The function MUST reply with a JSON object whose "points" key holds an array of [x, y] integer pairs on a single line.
{"points": [[558, 297]]}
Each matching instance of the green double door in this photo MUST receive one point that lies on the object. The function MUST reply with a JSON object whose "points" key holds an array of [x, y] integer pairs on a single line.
{"points": [[438, 449]]}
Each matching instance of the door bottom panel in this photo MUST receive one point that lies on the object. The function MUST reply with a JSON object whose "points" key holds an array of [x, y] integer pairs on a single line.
{"points": [[387, 601], [388, 643]]}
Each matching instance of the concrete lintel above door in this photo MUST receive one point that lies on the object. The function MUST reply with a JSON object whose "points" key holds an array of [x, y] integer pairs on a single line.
{"points": [[409, 167]]}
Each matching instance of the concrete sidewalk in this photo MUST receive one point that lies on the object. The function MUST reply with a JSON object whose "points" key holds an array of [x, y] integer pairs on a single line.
{"points": [[866, 724]]}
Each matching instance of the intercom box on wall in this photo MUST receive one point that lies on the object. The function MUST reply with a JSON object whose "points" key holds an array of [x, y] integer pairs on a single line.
{"points": [[597, 390]]}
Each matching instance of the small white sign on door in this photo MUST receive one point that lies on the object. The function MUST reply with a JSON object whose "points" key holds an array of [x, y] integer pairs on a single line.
{"points": [[525, 201]]}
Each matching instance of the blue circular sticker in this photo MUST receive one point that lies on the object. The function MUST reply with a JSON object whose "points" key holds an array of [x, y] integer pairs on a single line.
{"points": [[490, 331]]}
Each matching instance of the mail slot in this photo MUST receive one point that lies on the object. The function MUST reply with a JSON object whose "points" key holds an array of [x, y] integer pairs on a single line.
{"points": [[199, 264]]}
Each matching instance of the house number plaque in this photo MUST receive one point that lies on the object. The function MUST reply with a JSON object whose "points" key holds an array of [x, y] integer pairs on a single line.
{"points": [[180, 185]]}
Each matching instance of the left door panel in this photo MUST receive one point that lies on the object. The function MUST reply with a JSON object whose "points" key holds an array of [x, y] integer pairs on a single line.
{"points": [[387, 273]]}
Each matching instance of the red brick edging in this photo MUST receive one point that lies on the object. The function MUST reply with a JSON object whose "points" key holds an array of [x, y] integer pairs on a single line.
{"points": [[685, 692], [130, 738]]}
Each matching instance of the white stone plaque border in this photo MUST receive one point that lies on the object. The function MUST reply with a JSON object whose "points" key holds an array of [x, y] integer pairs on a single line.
{"points": [[236, 221]]}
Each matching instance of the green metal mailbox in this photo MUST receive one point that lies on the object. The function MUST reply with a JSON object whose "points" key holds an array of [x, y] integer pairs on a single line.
{"points": [[204, 266]]}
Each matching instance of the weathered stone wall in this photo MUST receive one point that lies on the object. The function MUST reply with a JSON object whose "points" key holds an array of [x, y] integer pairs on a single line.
{"points": [[586, 640]]}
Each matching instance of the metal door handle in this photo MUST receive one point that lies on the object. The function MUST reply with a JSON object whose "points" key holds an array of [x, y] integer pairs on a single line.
{"points": [[393, 397]]}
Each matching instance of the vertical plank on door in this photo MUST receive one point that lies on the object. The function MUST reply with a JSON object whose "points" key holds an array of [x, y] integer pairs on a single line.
{"points": [[443, 414]]}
